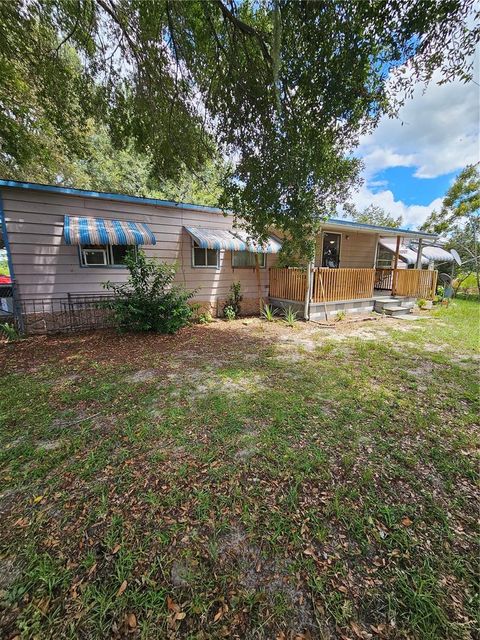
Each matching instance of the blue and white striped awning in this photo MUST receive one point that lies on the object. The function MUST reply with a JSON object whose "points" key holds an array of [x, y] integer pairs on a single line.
{"points": [[230, 240], [83, 230]]}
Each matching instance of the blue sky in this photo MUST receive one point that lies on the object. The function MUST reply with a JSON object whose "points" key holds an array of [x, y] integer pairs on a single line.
{"points": [[410, 161], [409, 189]]}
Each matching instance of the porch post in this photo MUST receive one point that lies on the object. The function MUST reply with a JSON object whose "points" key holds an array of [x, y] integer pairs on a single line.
{"points": [[259, 286], [418, 263], [308, 290], [395, 265]]}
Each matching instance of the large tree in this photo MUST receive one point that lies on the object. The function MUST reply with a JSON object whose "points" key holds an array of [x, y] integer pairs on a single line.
{"points": [[459, 218], [373, 214], [282, 88]]}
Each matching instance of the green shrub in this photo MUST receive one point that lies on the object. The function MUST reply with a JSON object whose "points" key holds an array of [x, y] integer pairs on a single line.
{"points": [[340, 315], [229, 313], [149, 301], [234, 299], [421, 303]]}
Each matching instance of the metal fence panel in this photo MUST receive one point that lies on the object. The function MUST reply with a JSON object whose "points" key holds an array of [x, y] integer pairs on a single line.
{"points": [[65, 314]]}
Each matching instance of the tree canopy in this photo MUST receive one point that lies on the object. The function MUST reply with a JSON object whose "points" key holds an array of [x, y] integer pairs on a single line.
{"points": [[283, 89], [459, 219], [372, 214], [460, 205]]}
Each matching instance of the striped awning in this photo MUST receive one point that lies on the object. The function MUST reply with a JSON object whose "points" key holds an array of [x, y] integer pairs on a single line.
{"points": [[271, 246], [430, 253], [405, 254], [83, 230], [230, 240]]}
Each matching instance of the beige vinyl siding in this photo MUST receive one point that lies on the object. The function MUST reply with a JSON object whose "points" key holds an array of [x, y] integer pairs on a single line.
{"points": [[46, 267], [357, 249]]}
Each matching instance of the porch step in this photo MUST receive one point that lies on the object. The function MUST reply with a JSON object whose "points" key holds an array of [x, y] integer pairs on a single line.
{"points": [[396, 311], [393, 306]]}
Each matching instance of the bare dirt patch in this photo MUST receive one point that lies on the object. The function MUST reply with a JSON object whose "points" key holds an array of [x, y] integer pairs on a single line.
{"points": [[49, 445], [9, 572], [144, 375], [271, 577]]}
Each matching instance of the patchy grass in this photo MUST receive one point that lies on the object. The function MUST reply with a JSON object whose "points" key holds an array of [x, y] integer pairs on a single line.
{"points": [[244, 481]]}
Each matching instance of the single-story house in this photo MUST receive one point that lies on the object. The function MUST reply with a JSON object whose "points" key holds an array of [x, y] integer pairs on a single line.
{"points": [[63, 244]]}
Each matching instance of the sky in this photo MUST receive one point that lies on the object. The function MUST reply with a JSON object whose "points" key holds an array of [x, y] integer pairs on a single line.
{"points": [[410, 161]]}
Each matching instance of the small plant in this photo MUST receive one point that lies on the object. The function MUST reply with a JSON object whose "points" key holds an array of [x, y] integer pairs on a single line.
{"points": [[269, 313], [229, 313], [199, 316], [290, 316], [340, 315], [422, 303], [205, 318], [9, 332], [234, 299]]}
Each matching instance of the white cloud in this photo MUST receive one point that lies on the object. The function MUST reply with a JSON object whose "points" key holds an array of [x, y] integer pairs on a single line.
{"points": [[413, 215], [436, 132]]}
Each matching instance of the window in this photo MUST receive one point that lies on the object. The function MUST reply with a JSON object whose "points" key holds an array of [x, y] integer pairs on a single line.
{"points": [[243, 259], [204, 257], [104, 255], [331, 250], [384, 258]]}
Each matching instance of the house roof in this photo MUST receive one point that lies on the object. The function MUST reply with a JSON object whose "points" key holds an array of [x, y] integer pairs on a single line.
{"points": [[104, 195], [122, 197], [334, 223]]}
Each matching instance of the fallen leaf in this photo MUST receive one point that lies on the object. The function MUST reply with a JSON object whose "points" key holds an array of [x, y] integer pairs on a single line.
{"points": [[131, 620], [38, 499], [172, 606], [116, 548], [218, 615], [406, 522], [122, 588], [180, 615], [356, 630]]}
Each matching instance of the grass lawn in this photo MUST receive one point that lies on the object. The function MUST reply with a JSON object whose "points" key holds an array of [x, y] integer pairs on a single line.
{"points": [[242, 480]]}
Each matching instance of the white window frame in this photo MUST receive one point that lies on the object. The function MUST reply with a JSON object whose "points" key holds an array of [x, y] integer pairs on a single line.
{"points": [[195, 245], [380, 261], [107, 251], [262, 257], [104, 252]]}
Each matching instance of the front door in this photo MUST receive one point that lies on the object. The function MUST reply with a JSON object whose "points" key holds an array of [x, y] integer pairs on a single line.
{"points": [[331, 250]]}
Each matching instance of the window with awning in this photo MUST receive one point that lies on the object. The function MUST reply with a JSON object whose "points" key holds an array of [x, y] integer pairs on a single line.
{"points": [[223, 239]]}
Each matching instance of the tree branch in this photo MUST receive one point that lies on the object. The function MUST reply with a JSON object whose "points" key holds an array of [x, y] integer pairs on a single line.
{"points": [[245, 28]]}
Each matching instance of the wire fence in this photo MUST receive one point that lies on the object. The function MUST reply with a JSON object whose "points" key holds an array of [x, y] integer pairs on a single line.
{"points": [[62, 315]]}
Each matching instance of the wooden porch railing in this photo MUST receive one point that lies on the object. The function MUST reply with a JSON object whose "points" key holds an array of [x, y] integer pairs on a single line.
{"points": [[384, 278], [288, 284], [421, 283], [330, 285], [342, 284]]}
